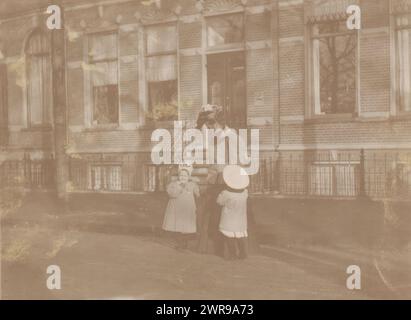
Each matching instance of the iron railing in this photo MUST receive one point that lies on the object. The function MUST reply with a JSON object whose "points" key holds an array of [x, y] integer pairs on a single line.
{"points": [[28, 173], [350, 174], [117, 173], [345, 175]]}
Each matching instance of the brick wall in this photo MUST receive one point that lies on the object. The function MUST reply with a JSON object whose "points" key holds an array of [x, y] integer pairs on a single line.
{"points": [[375, 57], [375, 70], [292, 83], [128, 86], [110, 141], [14, 33], [190, 86], [261, 69], [75, 99], [191, 60], [357, 133], [292, 58], [260, 93], [262, 96], [373, 125], [276, 77], [190, 34]]}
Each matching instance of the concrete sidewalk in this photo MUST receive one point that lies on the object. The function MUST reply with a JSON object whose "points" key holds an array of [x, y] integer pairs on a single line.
{"points": [[289, 222], [86, 212], [112, 266], [285, 222], [386, 267]]}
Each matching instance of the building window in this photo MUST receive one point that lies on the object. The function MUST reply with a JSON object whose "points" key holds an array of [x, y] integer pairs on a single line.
{"points": [[337, 179], [226, 67], [39, 84], [226, 76], [334, 61], [150, 178], [225, 29], [103, 57], [3, 106], [105, 178], [161, 62], [156, 178], [403, 44]]}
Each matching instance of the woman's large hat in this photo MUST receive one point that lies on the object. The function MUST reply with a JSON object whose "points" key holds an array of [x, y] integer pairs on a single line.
{"points": [[186, 167], [236, 177], [210, 112], [211, 108]]}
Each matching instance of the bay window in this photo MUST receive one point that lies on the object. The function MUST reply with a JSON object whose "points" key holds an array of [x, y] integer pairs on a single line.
{"points": [[161, 72], [334, 64], [225, 29], [39, 83], [103, 57], [105, 178]]}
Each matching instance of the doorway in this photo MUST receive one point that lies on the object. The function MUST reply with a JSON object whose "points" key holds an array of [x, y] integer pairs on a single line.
{"points": [[227, 86]]}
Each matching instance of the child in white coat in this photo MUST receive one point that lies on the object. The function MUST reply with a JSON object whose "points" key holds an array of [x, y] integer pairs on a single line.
{"points": [[233, 221], [180, 215]]}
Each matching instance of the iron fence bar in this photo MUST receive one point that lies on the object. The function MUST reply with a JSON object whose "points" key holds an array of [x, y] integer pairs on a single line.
{"points": [[362, 191]]}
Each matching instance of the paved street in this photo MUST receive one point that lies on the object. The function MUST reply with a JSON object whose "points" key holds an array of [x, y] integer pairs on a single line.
{"points": [[108, 266]]}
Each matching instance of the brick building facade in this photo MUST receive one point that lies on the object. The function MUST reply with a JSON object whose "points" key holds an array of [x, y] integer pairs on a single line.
{"points": [[333, 105]]}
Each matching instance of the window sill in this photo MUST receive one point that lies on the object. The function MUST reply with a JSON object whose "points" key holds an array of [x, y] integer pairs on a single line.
{"points": [[404, 115], [103, 128], [327, 118], [169, 124], [44, 128], [147, 126], [237, 46], [335, 118]]}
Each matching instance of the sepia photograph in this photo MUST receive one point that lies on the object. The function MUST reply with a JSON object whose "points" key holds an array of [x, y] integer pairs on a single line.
{"points": [[225, 150]]}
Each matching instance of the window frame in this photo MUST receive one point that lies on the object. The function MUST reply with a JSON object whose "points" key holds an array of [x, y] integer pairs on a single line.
{"points": [[227, 46], [148, 55], [310, 108], [105, 170], [44, 125], [91, 61], [235, 47], [335, 186]]}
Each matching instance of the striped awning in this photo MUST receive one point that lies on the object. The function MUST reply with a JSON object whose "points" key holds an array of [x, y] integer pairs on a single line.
{"points": [[327, 10], [401, 6]]}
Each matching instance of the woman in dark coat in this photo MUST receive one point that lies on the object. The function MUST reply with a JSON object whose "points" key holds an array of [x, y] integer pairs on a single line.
{"points": [[211, 184]]}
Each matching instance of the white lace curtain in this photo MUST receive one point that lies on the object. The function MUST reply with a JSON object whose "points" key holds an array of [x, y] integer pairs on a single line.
{"points": [[161, 68], [320, 10], [103, 47], [39, 84], [161, 63], [103, 57]]}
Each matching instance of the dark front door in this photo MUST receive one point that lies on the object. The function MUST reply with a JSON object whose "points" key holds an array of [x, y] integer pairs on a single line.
{"points": [[226, 86]]}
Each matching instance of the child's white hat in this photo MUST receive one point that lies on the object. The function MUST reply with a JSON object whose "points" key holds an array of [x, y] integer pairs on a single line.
{"points": [[236, 177]]}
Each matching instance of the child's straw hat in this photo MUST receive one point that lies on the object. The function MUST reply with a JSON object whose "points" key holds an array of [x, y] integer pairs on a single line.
{"points": [[235, 177]]}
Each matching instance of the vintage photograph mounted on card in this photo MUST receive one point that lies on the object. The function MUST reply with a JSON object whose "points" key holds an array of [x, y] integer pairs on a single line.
{"points": [[205, 149]]}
